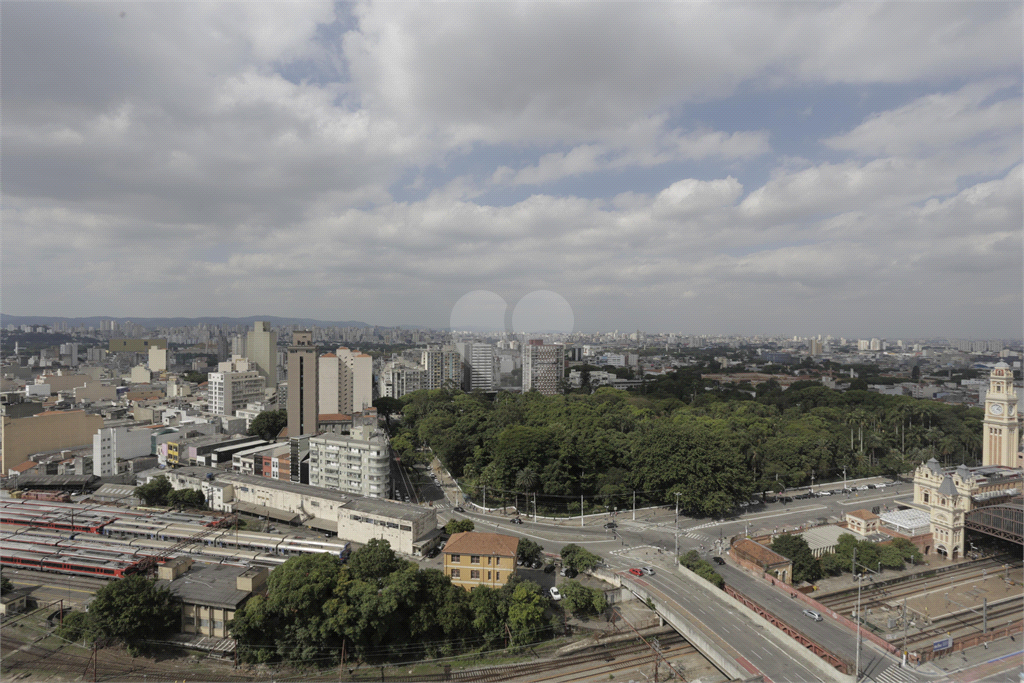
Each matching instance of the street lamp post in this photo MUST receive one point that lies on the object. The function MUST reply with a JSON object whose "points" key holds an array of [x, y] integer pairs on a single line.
{"points": [[677, 522]]}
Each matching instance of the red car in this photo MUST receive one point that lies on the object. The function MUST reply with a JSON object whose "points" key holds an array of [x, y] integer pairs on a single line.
{"points": [[636, 572]]}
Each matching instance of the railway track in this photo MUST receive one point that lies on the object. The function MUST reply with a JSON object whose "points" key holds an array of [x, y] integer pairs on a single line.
{"points": [[962, 625], [873, 595], [602, 661]]}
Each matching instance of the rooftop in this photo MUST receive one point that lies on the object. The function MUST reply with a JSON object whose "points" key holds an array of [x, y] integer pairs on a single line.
{"points": [[910, 519], [214, 585], [866, 515], [758, 553], [477, 543], [820, 537]]}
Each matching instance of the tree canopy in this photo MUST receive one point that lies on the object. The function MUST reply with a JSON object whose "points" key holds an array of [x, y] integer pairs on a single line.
{"points": [[268, 424], [580, 559], [155, 492], [713, 445], [187, 498], [455, 526], [134, 610], [380, 608], [795, 548]]}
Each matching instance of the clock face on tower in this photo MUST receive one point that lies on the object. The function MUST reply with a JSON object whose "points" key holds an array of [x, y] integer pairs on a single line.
{"points": [[996, 409]]}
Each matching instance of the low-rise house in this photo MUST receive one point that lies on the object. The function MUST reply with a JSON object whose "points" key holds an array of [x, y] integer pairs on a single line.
{"points": [[474, 559]]}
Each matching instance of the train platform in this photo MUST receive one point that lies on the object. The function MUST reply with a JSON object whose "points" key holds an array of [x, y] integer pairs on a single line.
{"points": [[975, 663]]}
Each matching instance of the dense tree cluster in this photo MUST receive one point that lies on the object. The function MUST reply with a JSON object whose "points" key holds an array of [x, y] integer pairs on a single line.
{"points": [[133, 609], [796, 549], [713, 445], [159, 492], [702, 568], [580, 559], [870, 556], [268, 424], [580, 600], [455, 526], [380, 607]]}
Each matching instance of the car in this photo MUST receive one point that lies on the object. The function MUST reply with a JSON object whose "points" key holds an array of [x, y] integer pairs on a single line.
{"points": [[433, 552], [649, 571], [879, 486], [862, 488], [871, 486], [517, 520], [519, 562], [786, 499], [824, 493], [571, 573], [812, 614], [717, 560], [636, 572], [537, 564], [458, 508], [744, 504], [610, 525], [555, 595], [549, 569]]}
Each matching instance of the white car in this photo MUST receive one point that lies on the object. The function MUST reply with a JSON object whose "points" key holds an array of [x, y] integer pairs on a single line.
{"points": [[812, 614], [879, 486], [555, 595], [862, 488], [649, 571]]}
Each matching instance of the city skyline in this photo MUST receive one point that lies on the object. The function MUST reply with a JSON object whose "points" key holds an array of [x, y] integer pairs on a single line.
{"points": [[727, 169]]}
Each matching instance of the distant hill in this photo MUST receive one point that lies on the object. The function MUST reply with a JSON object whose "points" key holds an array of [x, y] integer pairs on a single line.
{"points": [[152, 323]]}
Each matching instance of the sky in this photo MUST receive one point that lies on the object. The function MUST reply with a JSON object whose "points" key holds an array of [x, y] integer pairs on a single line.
{"points": [[702, 167]]}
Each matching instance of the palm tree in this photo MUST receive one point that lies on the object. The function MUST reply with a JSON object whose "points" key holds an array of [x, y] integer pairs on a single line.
{"points": [[526, 480]]}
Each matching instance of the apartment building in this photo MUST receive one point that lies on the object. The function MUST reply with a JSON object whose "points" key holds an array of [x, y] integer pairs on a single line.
{"points": [[399, 377], [474, 559], [358, 463], [235, 385], [543, 367], [346, 381], [111, 444]]}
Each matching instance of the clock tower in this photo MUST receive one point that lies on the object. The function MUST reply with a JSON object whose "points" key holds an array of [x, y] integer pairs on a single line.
{"points": [[1001, 435]]}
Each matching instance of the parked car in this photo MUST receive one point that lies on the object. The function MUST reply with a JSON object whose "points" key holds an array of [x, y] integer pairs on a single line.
{"points": [[519, 562], [636, 572], [610, 525], [433, 552], [786, 499], [458, 508], [744, 504], [537, 564], [718, 560], [649, 571], [555, 595], [879, 486], [549, 569], [871, 486], [517, 520], [812, 614], [862, 488]]}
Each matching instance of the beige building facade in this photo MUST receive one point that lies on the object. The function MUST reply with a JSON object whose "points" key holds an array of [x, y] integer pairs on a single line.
{"points": [[47, 431], [474, 559], [261, 349]]}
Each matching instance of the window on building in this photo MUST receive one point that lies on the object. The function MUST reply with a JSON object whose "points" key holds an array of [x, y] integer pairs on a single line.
{"points": [[488, 576], [474, 559], [474, 574], [456, 558], [497, 576], [455, 573], [497, 561]]}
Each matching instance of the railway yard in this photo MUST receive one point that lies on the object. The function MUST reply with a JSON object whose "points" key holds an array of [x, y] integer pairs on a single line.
{"points": [[67, 551], [959, 602]]}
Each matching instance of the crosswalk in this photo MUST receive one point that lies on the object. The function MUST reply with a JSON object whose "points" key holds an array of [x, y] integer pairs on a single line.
{"points": [[894, 674]]}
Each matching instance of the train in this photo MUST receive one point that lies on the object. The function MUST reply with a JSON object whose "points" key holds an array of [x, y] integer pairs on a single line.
{"points": [[79, 565]]}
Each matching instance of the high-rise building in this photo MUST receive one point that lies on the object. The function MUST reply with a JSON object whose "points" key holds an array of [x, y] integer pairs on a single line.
{"points": [[346, 382], [442, 365], [478, 370], [235, 384], [303, 394], [400, 377], [261, 349], [815, 347], [543, 367]]}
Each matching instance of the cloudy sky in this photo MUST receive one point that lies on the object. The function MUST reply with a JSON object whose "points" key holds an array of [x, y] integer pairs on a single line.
{"points": [[804, 168]]}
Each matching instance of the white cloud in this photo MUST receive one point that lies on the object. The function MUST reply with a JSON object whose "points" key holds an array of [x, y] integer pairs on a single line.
{"points": [[938, 122]]}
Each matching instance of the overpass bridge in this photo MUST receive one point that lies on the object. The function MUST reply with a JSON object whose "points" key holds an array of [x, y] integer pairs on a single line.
{"points": [[727, 633]]}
